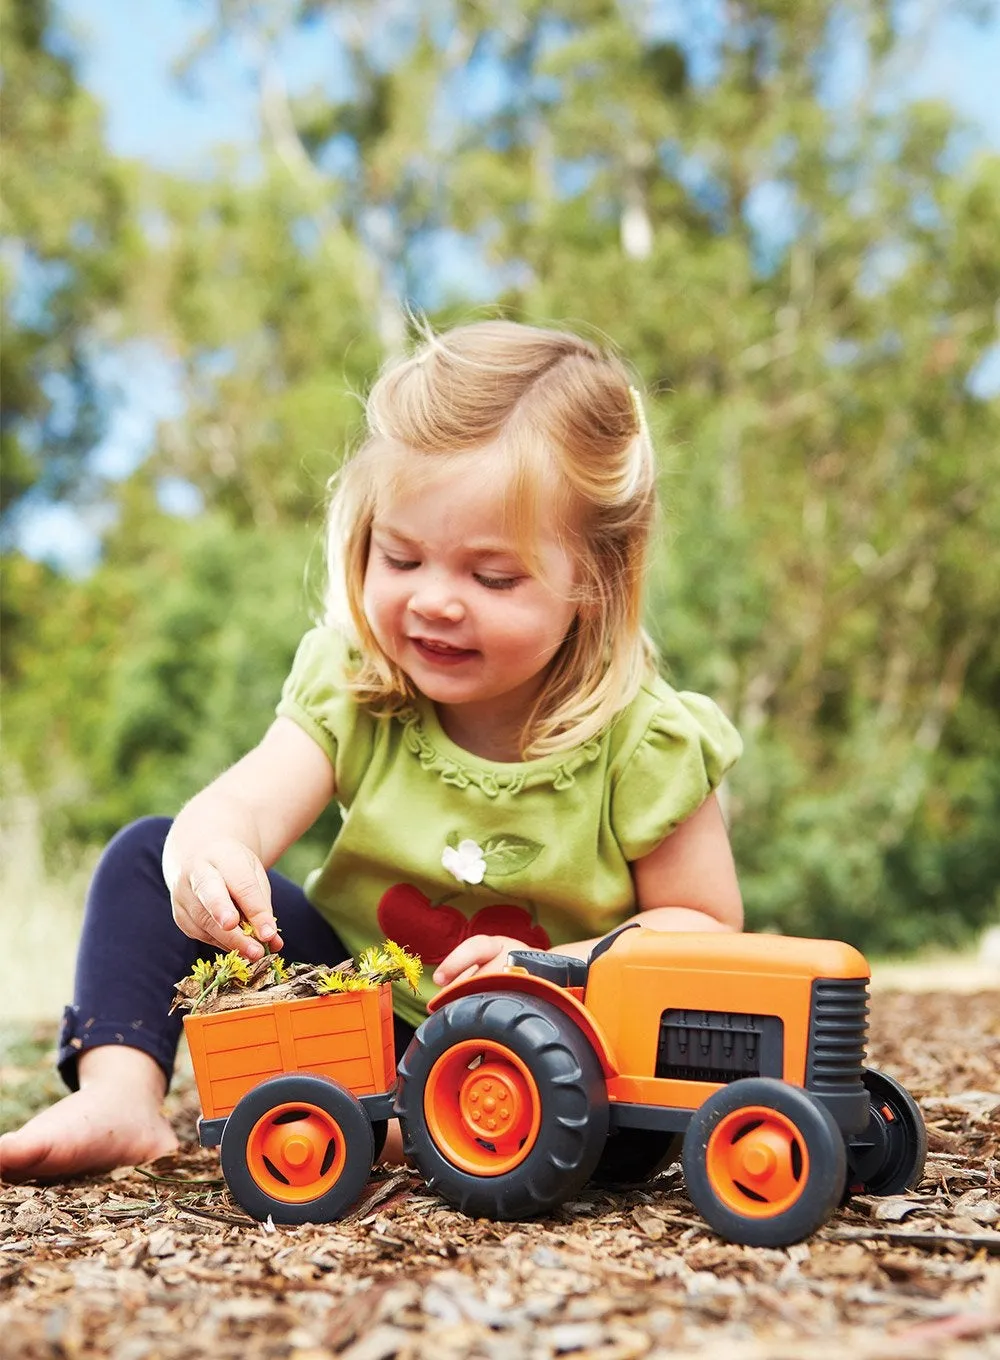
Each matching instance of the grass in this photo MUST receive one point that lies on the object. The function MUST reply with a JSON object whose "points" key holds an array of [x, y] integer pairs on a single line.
{"points": [[40, 916], [40, 913], [28, 1079]]}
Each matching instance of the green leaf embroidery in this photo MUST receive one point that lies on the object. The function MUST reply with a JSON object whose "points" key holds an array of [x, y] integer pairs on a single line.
{"points": [[509, 854]]}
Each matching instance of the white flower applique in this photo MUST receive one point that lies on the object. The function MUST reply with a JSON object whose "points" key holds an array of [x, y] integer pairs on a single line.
{"points": [[500, 855], [467, 863]]}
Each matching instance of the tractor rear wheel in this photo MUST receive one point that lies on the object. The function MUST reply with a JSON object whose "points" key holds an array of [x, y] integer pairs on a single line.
{"points": [[889, 1156], [502, 1104]]}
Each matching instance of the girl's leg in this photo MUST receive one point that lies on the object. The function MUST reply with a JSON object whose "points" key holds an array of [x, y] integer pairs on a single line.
{"points": [[131, 953], [118, 1044]]}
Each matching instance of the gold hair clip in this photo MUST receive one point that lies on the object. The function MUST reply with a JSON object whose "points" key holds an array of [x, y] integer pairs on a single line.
{"points": [[639, 413]]}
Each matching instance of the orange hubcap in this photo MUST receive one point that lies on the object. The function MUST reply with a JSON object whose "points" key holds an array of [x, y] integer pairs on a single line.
{"points": [[482, 1107], [757, 1162], [296, 1152]]}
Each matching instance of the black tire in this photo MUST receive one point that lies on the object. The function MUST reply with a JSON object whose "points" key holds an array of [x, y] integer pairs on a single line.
{"points": [[888, 1158], [291, 1117], [633, 1156], [764, 1162], [558, 1084]]}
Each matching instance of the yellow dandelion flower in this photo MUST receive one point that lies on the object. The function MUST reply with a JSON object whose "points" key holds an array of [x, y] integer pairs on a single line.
{"points": [[373, 960], [234, 968], [408, 965], [248, 929], [202, 971], [279, 973], [331, 982]]}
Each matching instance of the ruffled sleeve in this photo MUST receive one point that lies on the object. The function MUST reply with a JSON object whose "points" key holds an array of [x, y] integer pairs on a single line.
{"points": [[679, 758], [315, 697]]}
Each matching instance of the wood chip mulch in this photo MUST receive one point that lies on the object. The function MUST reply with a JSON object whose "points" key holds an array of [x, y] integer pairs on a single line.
{"points": [[159, 1262]]}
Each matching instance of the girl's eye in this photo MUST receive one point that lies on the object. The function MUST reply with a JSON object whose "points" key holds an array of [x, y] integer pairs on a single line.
{"points": [[497, 582], [398, 563]]}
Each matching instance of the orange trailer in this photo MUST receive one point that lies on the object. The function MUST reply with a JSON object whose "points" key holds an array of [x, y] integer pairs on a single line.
{"points": [[298, 1094]]}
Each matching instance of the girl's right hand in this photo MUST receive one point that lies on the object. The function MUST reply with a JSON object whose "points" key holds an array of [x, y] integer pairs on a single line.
{"points": [[217, 889]]}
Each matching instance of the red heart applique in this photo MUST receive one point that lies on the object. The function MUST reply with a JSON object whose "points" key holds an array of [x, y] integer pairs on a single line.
{"points": [[512, 921], [408, 916]]}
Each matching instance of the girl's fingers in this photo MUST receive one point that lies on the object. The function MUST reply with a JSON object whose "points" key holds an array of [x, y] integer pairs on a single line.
{"points": [[251, 891], [232, 887], [214, 913], [210, 893], [466, 957]]}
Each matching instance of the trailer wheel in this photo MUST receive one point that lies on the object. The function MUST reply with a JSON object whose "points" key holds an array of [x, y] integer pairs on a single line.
{"points": [[298, 1148], [503, 1105], [633, 1156], [764, 1162], [889, 1156]]}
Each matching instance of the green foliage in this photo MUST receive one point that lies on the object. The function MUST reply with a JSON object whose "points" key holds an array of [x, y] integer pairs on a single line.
{"points": [[69, 241], [803, 288], [156, 677]]}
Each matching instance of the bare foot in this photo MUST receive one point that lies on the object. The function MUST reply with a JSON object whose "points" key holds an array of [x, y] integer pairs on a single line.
{"points": [[114, 1119]]}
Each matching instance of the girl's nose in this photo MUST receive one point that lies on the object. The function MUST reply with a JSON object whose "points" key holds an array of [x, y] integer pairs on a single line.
{"points": [[434, 600]]}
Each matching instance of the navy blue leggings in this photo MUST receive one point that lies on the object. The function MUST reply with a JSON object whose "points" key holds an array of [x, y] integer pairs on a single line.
{"points": [[131, 953]]}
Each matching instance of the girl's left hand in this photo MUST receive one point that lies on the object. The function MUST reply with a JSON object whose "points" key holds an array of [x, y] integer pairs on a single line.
{"points": [[477, 954]]}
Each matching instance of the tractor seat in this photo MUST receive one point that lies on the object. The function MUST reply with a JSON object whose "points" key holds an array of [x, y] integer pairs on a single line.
{"points": [[562, 969]]}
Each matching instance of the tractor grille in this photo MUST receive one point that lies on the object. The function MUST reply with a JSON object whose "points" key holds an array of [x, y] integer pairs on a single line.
{"points": [[718, 1046], [838, 1032]]}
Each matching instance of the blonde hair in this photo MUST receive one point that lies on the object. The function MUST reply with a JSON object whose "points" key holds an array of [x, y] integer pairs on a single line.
{"points": [[557, 413]]}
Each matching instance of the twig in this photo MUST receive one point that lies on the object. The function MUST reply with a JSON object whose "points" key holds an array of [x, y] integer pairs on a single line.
{"points": [[181, 1180], [401, 1180], [135, 1211], [988, 1242]]}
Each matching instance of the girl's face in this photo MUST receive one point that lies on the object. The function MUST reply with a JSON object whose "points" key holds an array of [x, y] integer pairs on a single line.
{"points": [[454, 606]]}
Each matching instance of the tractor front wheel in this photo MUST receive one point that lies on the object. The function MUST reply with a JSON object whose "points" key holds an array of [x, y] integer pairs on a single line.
{"points": [[764, 1162]]}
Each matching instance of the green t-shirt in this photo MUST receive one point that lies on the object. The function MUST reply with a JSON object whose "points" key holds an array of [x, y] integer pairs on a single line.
{"points": [[438, 844]]}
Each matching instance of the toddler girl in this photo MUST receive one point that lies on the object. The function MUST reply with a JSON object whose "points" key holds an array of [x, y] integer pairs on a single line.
{"points": [[482, 701]]}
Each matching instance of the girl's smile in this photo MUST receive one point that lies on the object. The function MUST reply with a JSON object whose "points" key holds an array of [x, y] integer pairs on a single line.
{"points": [[450, 600], [442, 653]]}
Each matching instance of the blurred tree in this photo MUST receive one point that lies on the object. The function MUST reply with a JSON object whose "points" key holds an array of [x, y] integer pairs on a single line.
{"points": [[68, 242], [68, 231], [150, 677]]}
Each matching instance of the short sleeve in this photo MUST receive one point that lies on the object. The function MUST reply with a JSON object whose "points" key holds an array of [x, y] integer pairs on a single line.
{"points": [[680, 758], [315, 697]]}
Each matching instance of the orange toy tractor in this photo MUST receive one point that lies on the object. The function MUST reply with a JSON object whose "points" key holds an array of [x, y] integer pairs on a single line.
{"points": [[741, 1054]]}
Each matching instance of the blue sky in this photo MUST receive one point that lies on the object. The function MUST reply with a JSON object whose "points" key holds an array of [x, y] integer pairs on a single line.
{"points": [[129, 66]]}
